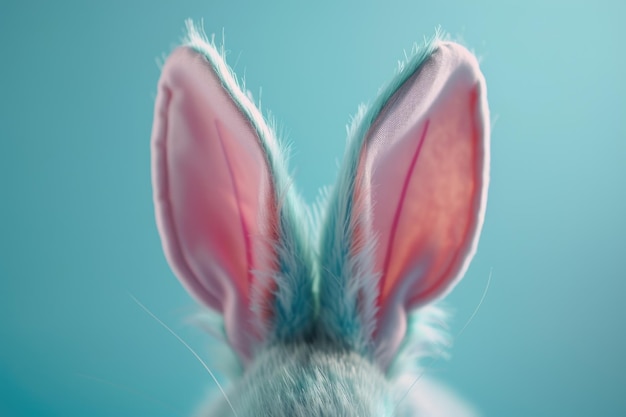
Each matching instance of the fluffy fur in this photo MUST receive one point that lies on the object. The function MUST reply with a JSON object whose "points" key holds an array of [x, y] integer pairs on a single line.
{"points": [[304, 379]]}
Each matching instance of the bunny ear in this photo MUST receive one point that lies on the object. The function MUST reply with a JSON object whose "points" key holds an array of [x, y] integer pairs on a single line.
{"points": [[216, 177], [419, 188]]}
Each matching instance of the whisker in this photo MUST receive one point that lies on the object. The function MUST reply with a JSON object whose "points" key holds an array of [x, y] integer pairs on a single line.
{"points": [[478, 306], [189, 348], [131, 390], [437, 355]]}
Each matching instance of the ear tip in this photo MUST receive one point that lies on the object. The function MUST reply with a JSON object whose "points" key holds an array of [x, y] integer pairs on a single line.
{"points": [[177, 58], [456, 55], [180, 66], [456, 49]]}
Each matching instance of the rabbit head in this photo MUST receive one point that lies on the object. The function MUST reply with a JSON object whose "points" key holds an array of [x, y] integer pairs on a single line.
{"points": [[318, 313]]}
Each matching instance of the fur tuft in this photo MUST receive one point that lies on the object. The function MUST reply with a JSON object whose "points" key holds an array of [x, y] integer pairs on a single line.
{"points": [[426, 337]]}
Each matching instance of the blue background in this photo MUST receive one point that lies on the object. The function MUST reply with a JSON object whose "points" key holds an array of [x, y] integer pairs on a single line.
{"points": [[77, 234]]}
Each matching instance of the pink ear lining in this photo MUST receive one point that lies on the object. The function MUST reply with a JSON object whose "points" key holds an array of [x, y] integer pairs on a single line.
{"points": [[415, 207], [245, 230], [163, 205], [462, 257], [214, 197], [396, 216]]}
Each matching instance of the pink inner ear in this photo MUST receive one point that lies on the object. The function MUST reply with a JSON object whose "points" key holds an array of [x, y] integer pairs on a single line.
{"points": [[213, 192], [425, 210], [425, 173]]}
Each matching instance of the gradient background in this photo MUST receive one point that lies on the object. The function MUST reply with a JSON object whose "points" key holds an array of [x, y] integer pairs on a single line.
{"points": [[77, 233]]}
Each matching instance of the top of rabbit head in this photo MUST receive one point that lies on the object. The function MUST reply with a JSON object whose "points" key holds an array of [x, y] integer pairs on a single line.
{"points": [[318, 313]]}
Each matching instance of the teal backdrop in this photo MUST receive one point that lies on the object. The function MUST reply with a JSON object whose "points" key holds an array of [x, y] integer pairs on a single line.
{"points": [[77, 232]]}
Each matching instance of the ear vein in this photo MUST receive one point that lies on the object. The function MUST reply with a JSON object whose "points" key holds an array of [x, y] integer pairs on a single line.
{"points": [[398, 213], [242, 220]]}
